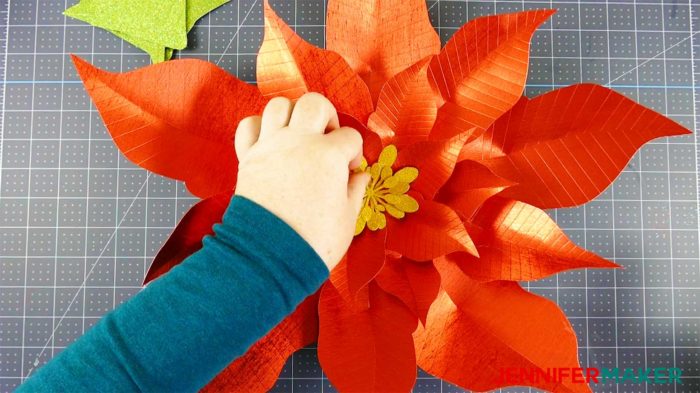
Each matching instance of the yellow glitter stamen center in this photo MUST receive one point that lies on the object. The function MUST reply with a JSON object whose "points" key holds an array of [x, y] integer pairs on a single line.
{"points": [[386, 192]]}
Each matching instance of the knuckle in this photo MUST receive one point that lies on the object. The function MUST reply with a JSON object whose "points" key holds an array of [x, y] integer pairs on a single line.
{"points": [[278, 103], [355, 136], [246, 122], [351, 137], [312, 95], [314, 99]]}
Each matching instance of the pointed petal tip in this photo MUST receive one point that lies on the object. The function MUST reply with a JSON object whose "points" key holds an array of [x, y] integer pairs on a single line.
{"points": [[601, 263], [83, 67], [471, 249], [77, 60], [71, 11], [546, 13], [424, 62], [611, 265], [269, 15], [677, 129], [267, 9]]}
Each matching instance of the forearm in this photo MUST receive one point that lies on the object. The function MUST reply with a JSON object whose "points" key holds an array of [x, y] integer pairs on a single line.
{"points": [[186, 326]]}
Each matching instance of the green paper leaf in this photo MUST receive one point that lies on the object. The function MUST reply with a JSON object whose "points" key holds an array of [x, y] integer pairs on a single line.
{"points": [[158, 27], [162, 22]]}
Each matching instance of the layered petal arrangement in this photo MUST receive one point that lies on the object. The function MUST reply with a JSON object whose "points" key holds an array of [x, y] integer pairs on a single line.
{"points": [[461, 166]]}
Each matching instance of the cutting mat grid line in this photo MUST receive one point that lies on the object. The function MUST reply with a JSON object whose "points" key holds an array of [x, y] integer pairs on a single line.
{"points": [[65, 189]]}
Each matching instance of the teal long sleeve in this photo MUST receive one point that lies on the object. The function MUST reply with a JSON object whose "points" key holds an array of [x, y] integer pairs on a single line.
{"points": [[188, 325]]}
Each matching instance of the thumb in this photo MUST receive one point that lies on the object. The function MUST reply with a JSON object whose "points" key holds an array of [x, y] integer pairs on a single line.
{"points": [[356, 190]]}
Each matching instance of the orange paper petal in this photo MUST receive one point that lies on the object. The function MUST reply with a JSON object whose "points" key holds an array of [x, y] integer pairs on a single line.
{"points": [[434, 230], [483, 67], [435, 161], [406, 108], [415, 283], [369, 350], [258, 369], [380, 38], [492, 143], [176, 118], [470, 185], [482, 328], [289, 66], [520, 242], [451, 120], [567, 146], [187, 236]]}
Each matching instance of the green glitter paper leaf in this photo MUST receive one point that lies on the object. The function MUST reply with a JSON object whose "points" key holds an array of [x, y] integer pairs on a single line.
{"points": [[157, 27]]}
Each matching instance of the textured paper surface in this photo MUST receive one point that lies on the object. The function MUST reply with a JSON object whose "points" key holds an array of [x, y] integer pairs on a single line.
{"points": [[483, 67], [487, 160], [380, 38], [406, 108], [519, 242], [469, 342], [289, 67], [155, 26], [565, 147], [375, 342], [185, 131]]}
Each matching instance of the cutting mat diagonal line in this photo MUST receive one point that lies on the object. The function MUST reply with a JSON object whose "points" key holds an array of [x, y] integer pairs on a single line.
{"points": [[653, 57]]}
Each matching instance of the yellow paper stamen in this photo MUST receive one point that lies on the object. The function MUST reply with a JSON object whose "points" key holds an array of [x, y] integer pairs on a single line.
{"points": [[386, 192]]}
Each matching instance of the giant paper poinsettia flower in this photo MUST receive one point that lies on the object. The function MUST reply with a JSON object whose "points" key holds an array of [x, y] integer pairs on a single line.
{"points": [[461, 166]]}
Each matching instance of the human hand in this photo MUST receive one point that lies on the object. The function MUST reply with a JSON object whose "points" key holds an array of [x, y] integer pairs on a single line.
{"points": [[290, 167]]}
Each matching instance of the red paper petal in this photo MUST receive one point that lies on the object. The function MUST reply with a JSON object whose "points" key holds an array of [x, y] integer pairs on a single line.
{"points": [[406, 108], [176, 118], [365, 259], [380, 38], [470, 185], [482, 328], [258, 369], [366, 350], [187, 236], [521, 242], [483, 67], [434, 230], [289, 66], [416, 284], [435, 161], [359, 299], [567, 146]]}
